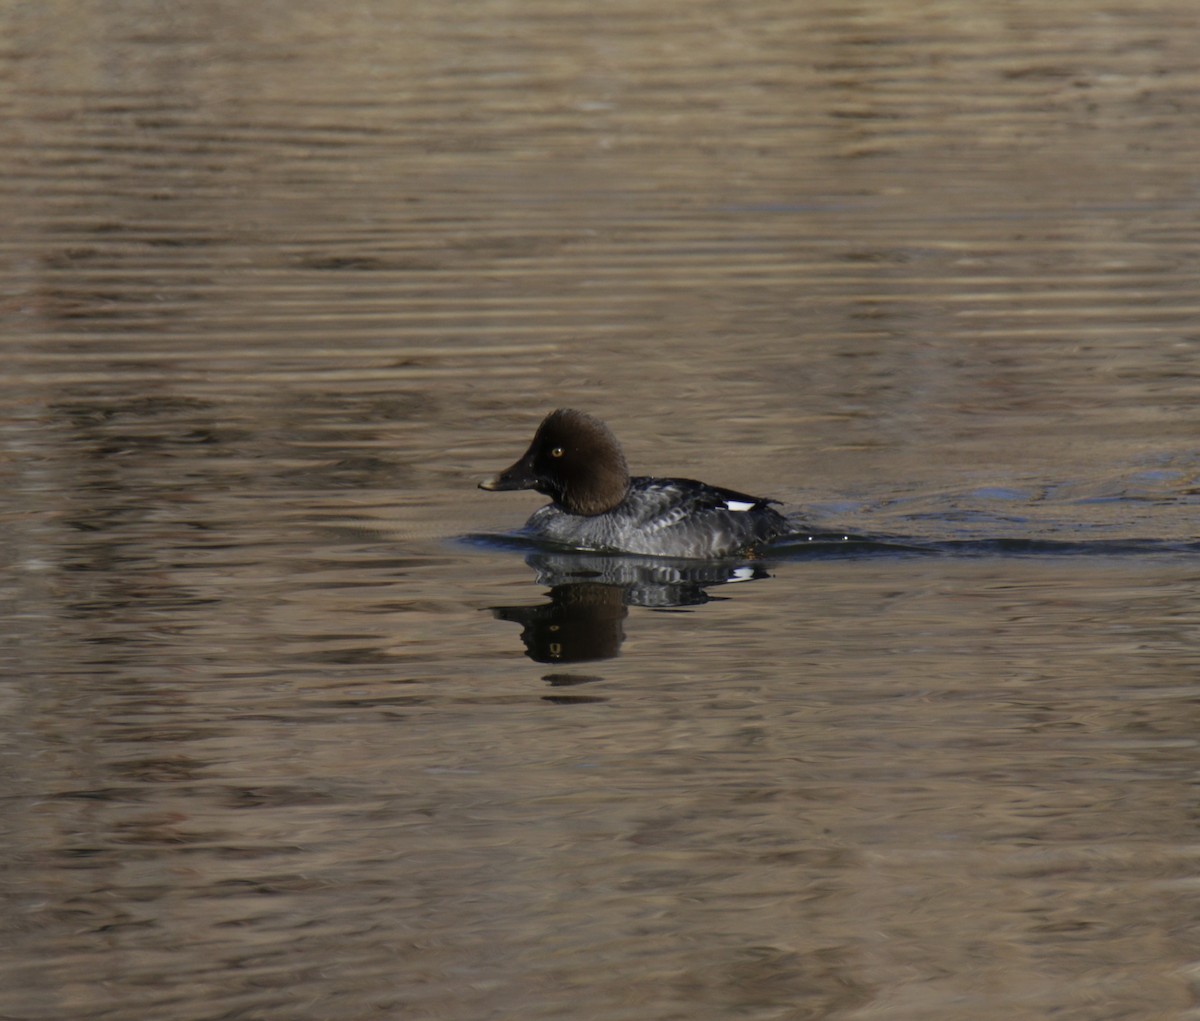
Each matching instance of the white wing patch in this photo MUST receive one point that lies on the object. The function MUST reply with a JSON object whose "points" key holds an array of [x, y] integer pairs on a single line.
{"points": [[737, 505]]}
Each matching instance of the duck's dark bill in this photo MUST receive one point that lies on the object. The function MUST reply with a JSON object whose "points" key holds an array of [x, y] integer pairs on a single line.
{"points": [[519, 476]]}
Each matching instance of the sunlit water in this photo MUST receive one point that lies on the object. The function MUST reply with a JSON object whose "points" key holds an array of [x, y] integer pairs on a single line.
{"points": [[294, 728]]}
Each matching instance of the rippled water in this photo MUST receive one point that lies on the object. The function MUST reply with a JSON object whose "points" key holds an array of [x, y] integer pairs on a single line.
{"points": [[292, 729]]}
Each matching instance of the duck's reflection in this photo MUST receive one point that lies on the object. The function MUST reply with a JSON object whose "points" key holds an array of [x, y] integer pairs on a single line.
{"points": [[590, 596]]}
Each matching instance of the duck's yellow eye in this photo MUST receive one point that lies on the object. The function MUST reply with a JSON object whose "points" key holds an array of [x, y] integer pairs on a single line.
{"points": [[556, 452]]}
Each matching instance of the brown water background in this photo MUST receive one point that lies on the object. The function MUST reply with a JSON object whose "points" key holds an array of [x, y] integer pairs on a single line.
{"points": [[280, 281]]}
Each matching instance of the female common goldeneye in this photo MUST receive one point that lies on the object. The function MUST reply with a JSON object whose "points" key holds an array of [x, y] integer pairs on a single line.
{"points": [[576, 461]]}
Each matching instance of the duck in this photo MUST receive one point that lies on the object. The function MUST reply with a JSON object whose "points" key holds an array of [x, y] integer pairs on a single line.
{"points": [[575, 459]]}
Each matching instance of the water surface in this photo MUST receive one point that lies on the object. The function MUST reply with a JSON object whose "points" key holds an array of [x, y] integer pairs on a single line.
{"points": [[282, 282]]}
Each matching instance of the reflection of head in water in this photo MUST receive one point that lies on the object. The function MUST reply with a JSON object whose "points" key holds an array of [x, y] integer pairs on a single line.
{"points": [[581, 622]]}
